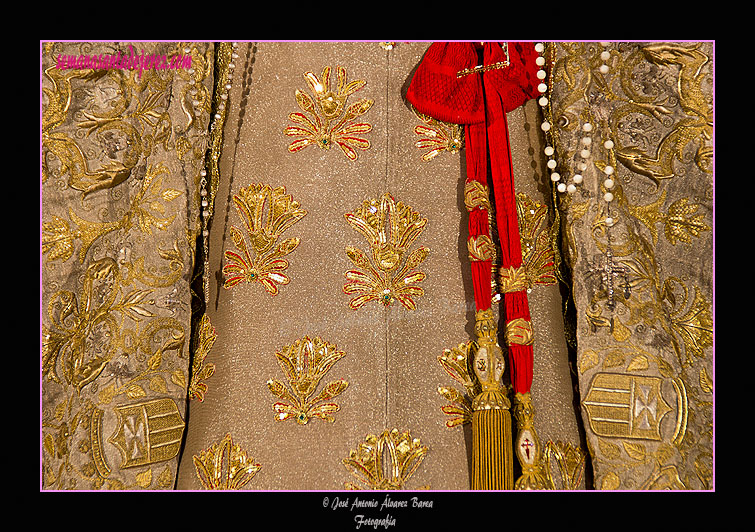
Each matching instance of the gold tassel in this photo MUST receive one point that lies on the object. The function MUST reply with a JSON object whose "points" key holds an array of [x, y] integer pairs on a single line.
{"points": [[492, 448]]}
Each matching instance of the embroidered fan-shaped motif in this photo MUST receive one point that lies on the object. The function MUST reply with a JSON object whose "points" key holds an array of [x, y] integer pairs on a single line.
{"points": [[225, 466], [325, 119], [387, 274], [386, 462], [305, 363], [266, 212]]}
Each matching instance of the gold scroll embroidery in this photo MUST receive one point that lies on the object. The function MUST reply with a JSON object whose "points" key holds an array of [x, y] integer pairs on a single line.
{"points": [[456, 362], [390, 228], [385, 462], [325, 119], [304, 363], [225, 466], [437, 136], [268, 265]]}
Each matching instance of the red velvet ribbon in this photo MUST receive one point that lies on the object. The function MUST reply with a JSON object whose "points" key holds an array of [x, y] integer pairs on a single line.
{"points": [[480, 101]]}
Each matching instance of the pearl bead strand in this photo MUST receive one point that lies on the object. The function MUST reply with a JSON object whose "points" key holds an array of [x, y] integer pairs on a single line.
{"points": [[216, 123]]}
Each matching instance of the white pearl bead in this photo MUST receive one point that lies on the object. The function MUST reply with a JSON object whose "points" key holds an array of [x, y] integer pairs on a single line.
{"points": [[539, 47], [578, 178], [555, 176], [561, 187], [582, 166], [540, 61], [204, 203], [584, 153], [551, 164], [609, 221], [586, 141], [605, 55], [608, 144], [545, 126], [587, 126], [608, 170], [541, 74], [217, 116], [608, 196], [205, 233], [549, 150], [608, 183], [571, 189], [603, 69], [542, 87], [604, 43], [203, 172], [543, 101]]}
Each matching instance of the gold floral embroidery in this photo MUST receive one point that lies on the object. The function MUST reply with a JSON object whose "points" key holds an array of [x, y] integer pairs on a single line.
{"points": [[304, 363], [456, 362], [327, 120], [386, 462], [437, 136], [58, 238], [538, 256], [225, 466], [86, 332], [199, 369], [570, 462], [390, 228], [268, 265]]}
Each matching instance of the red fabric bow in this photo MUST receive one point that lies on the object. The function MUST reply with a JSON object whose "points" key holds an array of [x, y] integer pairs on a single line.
{"points": [[480, 101]]}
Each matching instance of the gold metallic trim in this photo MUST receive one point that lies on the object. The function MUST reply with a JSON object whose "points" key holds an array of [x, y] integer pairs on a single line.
{"points": [[512, 279], [476, 195], [485, 68], [519, 331], [481, 248]]}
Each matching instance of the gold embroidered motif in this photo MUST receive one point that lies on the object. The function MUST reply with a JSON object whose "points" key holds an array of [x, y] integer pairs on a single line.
{"points": [[695, 128], [225, 466], [304, 363], [570, 461], [437, 136], [199, 370], [456, 362], [476, 195], [326, 121], [538, 257], [512, 279], [386, 462], [519, 331], [481, 248], [148, 432], [58, 238], [390, 229], [264, 230], [69, 344]]}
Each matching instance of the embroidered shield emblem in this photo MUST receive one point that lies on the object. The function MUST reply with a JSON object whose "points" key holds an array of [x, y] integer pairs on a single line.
{"points": [[148, 432], [626, 406]]}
